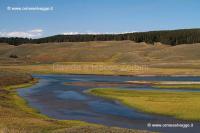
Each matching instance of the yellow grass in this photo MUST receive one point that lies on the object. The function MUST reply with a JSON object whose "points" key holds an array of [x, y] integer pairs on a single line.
{"points": [[101, 68], [122, 56]]}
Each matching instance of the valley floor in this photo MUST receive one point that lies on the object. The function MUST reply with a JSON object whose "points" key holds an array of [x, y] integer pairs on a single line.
{"points": [[104, 58]]}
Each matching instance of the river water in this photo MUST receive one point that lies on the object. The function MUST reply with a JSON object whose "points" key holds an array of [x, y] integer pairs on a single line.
{"points": [[52, 97]]}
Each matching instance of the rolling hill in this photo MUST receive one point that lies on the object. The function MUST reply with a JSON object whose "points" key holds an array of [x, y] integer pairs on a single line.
{"points": [[128, 52]]}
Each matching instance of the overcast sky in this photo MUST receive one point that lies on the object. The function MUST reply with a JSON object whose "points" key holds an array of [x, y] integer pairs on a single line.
{"points": [[39, 18]]}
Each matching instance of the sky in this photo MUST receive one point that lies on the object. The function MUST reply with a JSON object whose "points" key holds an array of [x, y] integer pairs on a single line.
{"points": [[40, 18]]}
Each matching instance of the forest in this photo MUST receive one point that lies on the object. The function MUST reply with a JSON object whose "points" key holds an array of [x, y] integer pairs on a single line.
{"points": [[169, 37]]}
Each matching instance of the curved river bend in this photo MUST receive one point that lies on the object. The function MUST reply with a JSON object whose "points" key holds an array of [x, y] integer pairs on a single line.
{"points": [[54, 99]]}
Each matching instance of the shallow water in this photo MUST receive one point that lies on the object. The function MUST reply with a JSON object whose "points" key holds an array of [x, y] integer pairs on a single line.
{"points": [[54, 99]]}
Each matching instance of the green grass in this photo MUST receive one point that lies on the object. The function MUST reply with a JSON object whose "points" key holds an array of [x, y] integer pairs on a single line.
{"points": [[178, 86], [181, 105], [25, 85], [21, 103]]}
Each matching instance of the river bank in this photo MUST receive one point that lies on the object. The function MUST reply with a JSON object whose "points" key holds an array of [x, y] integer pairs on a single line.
{"points": [[17, 116]]}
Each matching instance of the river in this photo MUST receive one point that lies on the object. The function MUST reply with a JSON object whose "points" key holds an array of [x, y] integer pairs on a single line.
{"points": [[56, 99]]}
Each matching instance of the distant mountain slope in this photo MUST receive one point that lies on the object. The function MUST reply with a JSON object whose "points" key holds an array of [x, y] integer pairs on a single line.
{"points": [[170, 37], [99, 51]]}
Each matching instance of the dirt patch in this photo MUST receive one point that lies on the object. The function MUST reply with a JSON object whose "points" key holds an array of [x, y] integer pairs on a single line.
{"points": [[101, 84], [8, 77]]}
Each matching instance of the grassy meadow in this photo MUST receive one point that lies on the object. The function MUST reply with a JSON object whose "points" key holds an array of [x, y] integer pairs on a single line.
{"points": [[181, 105]]}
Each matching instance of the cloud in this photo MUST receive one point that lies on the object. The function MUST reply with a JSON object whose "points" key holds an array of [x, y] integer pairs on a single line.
{"points": [[95, 33], [70, 33], [29, 34], [36, 31]]}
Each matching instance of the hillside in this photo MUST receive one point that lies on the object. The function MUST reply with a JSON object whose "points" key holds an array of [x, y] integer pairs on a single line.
{"points": [[128, 52]]}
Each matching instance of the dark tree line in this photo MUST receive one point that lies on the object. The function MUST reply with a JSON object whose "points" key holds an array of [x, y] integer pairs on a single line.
{"points": [[15, 40], [170, 37]]}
